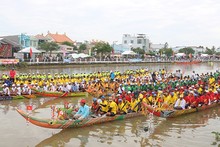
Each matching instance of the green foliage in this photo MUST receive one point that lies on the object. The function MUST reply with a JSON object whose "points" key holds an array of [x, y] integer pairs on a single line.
{"points": [[166, 45], [210, 51], [49, 46], [67, 43], [82, 47], [151, 53], [139, 51], [187, 50], [217, 53], [102, 48], [167, 51]]}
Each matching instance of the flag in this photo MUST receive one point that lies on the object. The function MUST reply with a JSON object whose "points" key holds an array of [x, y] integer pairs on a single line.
{"points": [[31, 52], [29, 107]]}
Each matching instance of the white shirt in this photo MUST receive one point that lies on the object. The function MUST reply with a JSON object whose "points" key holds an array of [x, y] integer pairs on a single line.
{"points": [[181, 103], [19, 91], [6, 91]]}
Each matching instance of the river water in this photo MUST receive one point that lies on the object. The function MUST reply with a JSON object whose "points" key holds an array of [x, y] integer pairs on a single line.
{"points": [[185, 131]]}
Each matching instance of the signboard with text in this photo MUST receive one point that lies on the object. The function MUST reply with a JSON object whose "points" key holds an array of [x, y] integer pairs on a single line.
{"points": [[9, 61]]}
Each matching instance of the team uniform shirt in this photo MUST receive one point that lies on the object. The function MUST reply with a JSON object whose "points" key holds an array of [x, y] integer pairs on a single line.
{"points": [[113, 107], [104, 106]]}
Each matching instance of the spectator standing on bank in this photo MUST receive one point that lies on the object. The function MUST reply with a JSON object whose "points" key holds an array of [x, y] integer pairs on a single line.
{"points": [[12, 75]]}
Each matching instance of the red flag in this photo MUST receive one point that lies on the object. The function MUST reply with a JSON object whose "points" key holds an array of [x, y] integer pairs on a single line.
{"points": [[29, 107], [30, 52]]}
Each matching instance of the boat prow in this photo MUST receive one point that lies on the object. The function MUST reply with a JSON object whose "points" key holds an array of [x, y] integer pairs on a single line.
{"points": [[63, 124], [46, 123]]}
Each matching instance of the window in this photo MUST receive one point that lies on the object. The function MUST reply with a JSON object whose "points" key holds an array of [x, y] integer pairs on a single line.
{"points": [[125, 42], [139, 41], [132, 41]]}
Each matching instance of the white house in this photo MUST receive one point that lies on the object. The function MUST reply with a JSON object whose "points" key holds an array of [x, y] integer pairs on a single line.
{"points": [[135, 41]]}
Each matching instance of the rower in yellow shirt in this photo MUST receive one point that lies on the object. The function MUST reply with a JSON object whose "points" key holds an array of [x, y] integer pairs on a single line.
{"points": [[113, 107], [134, 105], [103, 106], [122, 106]]}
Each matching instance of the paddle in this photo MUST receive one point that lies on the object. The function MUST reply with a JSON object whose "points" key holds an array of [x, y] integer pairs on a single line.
{"points": [[138, 104], [64, 94]]}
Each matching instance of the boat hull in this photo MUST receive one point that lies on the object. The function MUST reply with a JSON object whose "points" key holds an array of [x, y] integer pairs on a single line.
{"points": [[64, 124], [176, 113], [60, 94]]}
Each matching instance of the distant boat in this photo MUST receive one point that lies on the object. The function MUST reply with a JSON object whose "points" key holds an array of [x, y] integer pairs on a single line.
{"points": [[187, 62]]}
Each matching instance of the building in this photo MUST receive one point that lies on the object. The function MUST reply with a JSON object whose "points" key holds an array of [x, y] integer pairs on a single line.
{"points": [[58, 38], [23, 40], [41, 38], [136, 41], [33, 41], [7, 48], [156, 47]]}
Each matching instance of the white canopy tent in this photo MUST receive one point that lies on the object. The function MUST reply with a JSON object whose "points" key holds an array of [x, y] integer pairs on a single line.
{"points": [[81, 55], [129, 53], [180, 55], [27, 53], [27, 50]]}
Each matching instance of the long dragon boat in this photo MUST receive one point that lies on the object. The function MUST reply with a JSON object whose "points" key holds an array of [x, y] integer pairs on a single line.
{"points": [[59, 94], [187, 62], [3, 98], [175, 113], [64, 124]]}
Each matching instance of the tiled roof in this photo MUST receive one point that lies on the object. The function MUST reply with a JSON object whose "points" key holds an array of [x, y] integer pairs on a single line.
{"points": [[59, 38], [41, 37]]}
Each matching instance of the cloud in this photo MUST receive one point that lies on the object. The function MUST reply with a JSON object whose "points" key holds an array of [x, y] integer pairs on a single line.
{"points": [[179, 22]]}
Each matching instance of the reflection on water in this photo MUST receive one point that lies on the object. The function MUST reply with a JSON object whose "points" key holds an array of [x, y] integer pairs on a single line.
{"points": [[189, 130], [171, 67]]}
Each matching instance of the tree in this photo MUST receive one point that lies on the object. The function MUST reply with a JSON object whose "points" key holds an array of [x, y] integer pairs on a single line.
{"points": [[102, 48], [187, 50], [67, 43], [167, 51], [210, 51], [166, 45], [49, 46], [82, 47], [139, 51]]}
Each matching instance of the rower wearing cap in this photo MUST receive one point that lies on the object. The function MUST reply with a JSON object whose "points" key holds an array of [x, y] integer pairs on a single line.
{"points": [[103, 106], [83, 111], [95, 106], [122, 106], [134, 105], [113, 107]]}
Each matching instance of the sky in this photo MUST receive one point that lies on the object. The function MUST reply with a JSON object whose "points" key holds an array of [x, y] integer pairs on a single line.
{"points": [[178, 22]]}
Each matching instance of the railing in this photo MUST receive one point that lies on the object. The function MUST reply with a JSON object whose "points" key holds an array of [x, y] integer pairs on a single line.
{"points": [[122, 60]]}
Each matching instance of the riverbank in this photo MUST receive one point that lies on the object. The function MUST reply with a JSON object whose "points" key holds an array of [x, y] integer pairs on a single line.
{"points": [[112, 63]]}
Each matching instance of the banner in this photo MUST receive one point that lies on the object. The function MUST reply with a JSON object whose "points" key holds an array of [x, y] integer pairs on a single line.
{"points": [[9, 61]]}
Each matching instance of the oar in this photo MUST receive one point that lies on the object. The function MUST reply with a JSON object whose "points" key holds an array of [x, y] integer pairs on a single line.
{"points": [[63, 95]]}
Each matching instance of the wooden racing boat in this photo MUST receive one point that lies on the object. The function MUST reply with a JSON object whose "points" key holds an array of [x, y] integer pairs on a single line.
{"points": [[187, 62], [59, 94], [64, 124], [176, 113]]}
